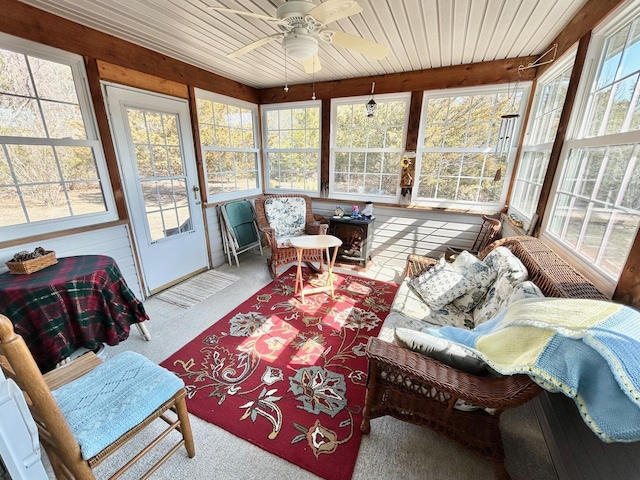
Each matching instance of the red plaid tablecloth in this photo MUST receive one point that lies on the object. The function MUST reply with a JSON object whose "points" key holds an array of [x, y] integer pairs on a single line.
{"points": [[79, 302]]}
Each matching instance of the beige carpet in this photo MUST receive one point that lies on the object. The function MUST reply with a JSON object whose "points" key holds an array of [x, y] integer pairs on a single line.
{"points": [[192, 291]]}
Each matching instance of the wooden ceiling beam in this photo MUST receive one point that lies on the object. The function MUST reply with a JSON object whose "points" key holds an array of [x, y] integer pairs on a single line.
{"points": [[25, 21], [469, 75]]}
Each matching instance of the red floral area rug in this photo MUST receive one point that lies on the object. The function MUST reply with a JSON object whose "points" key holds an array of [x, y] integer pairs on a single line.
{"points": [[287, 376]]}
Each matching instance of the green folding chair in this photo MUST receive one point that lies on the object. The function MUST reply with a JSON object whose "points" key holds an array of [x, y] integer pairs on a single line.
{"points": [[239, 229]]}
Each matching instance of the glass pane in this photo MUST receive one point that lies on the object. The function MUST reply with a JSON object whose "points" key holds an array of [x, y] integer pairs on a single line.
{"points": [[590, 171], [54, 81], [12, 211], [631, 57], [447, 188], [389, 184], [623, 232], [478, 135], [357, 162], [63, 120], [14, 74], [35, 164], [611, 59], [342, 162], [77, 163], [622, 94], [171, 136], [598, 109], [45, 201], [86, 197], [372, 185], [427, 187], [595, 230], [437, 110], [137, 126], [175, 161], [576, 221], [374, 163], [472, 165], [614, 173], [490, 191], [468, 189], [20, 117], [160, 162], [560, 214], [434, 136], [631, 196]]}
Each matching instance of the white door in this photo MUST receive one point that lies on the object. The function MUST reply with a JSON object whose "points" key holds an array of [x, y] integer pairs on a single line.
{"points": [[155, 149]]}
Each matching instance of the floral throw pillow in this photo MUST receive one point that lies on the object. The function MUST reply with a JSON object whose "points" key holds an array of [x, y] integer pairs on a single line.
{"points": [[440, 285], [507, 265], [481, 276]]}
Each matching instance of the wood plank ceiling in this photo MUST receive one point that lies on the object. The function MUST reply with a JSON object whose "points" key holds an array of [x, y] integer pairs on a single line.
{"points": [[420, 34]]}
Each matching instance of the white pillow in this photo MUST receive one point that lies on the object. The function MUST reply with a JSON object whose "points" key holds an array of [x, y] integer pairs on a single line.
{"points": [[440, 285], [479, 273], [451, 353]]}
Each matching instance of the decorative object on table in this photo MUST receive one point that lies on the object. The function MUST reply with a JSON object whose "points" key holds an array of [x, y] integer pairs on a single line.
{"points": [[28, 262], [368, 209], [289, 376], [339, 212], [355, 211]]}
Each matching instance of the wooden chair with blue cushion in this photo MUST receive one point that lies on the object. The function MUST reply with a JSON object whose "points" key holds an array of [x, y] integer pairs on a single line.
{"points": [[281, 217], [86, 410]]}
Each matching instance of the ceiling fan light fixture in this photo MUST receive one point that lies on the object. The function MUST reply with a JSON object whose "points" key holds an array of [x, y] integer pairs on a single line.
{"points": [[300, 47]]}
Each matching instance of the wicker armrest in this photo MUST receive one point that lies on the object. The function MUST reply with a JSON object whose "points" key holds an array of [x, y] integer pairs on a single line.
{"points": [[316, 228], [489, 392], [270, 235], [417, 264]]}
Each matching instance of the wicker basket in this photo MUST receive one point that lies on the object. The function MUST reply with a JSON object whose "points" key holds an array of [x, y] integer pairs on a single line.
{"points": [[33, 265]]}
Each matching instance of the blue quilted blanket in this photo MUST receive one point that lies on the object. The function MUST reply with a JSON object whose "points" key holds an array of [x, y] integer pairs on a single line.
{"points": [[587, 349]]}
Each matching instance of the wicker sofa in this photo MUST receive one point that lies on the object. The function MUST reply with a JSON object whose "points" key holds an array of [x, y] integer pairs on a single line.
{"points": [[421, 390]]}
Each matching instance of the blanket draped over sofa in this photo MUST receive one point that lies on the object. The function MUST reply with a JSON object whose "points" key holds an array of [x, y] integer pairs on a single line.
{"points": [[587, 349]]}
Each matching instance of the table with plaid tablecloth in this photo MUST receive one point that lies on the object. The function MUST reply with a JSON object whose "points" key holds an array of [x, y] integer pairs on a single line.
{"points": [[81, 301]]}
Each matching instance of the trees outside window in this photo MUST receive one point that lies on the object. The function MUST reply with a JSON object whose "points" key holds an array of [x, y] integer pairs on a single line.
{"points": [[366, 151], [228, 137], [52, 168], [596, 205], [457, 164], [291, 144], [541, 133]]}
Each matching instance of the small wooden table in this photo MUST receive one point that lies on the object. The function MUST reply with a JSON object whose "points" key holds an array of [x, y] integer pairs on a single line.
{"points": [[316, 242]]}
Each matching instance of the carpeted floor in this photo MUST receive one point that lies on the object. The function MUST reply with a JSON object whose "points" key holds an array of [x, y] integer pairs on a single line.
{"points": [[393, 449]]}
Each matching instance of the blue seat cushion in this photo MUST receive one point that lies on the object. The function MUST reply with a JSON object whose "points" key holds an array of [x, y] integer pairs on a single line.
{"points": [[104, 404]]}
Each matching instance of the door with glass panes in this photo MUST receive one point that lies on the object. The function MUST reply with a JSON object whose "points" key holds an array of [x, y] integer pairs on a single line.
{"points": [[152, 134]]}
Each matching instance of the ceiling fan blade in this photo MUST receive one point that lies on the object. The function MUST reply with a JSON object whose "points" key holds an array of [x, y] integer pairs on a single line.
{"points": [[312, 64], [333, 10], [247, 14], [253, 46], [359, 44]]}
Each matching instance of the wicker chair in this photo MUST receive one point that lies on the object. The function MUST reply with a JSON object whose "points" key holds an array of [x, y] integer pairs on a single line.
{"points": [[421, 390], [108, 397], [282, 253]]}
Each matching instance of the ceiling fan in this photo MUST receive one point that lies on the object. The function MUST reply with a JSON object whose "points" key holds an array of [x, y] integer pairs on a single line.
{"points": [[303, 24]]}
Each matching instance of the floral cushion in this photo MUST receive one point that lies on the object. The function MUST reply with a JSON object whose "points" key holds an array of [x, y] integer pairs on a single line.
{"points": [[287, 216], [493, 301], [507, 264], [479, 273], [523, 290], [440, 285]]}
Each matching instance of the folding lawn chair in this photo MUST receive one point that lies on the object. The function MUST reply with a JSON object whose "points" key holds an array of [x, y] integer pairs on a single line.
{"points": [[239, 229]]}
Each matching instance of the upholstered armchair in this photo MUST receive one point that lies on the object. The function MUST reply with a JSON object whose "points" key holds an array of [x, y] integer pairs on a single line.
{"points": [[281, 217]]}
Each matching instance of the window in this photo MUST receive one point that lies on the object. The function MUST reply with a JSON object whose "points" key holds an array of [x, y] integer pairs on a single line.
{"points": [[456, 161], [292, 147], [52, 170], [366, 151], [596, 206], [229, 149], [541, 134]]}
